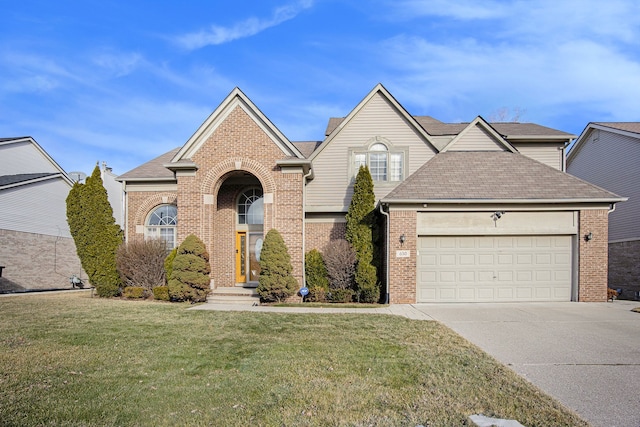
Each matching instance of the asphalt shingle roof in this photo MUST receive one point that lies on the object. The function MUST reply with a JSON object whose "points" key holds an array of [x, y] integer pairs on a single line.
{"points": [[492, 175], [22, 177], [153, 169], [625, 126]]}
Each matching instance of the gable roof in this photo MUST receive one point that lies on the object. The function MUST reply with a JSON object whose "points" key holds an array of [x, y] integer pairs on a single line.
{"points": [[508, 130], [54, 165], [340, 123], [481, 123], [630, 129], [153, 170], [235, 99], [493, 176]]}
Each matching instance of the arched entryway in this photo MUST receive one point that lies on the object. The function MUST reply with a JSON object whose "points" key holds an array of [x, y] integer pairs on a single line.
{"points": [[239, 228]]}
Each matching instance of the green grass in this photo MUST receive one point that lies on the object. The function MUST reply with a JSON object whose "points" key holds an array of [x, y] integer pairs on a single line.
{"points": [[72, 360]]}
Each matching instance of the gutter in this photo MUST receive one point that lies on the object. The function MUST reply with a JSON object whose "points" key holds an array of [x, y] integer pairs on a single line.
{"points": [[501, 201]]}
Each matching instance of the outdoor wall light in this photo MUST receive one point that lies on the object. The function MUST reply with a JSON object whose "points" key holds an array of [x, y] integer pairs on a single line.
{"points": [[588, 237], [403, 238]]}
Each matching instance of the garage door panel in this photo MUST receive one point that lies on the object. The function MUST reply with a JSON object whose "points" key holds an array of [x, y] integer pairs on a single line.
{"points": [[494, 268]]}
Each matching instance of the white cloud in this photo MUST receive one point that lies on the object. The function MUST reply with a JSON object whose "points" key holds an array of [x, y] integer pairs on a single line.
{"points": [[118, 64], [216, 35]]}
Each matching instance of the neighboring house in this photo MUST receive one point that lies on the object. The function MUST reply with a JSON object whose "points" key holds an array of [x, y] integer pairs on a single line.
{"points": [[36, 249], [472, 211], [114, 192], [608, 155]]}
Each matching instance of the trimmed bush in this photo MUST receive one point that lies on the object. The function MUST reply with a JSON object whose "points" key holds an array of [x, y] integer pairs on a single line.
{"points": [[190, 276], [340, 260], [168, 264], [276, 282], [141, 263], [133, 292], [341, 295], [161, 293]]}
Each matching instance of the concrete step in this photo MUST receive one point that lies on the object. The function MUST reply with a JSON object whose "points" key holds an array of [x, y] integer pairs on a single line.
{"points": [[234, 295]]}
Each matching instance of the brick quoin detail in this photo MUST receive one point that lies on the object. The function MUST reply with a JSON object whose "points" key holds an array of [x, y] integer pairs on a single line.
{"points": [[402, 271], [593, 256]]}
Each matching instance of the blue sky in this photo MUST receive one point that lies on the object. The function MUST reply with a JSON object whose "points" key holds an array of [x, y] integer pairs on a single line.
{"points": [[124, 82]]}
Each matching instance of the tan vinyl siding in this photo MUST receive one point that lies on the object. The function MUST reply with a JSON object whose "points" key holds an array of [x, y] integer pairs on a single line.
{"points": [[611, 162], [23, 157], [332, 184], [36, 208], [476, 139], [548, 153]]}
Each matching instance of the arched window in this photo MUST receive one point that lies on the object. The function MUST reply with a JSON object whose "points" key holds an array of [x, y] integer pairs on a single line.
{"points": [[251, 207], [384, 165], [162, 224]]}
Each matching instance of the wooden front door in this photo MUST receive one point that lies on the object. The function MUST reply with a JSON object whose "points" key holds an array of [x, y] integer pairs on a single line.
{"points": [[241, 254]]}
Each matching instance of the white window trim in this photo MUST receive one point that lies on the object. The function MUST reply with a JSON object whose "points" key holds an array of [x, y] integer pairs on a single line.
{"points": [[366, 150]]}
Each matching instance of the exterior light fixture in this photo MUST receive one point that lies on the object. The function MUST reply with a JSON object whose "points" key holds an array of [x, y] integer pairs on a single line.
{"points": [[403, 238], [588, 237]]}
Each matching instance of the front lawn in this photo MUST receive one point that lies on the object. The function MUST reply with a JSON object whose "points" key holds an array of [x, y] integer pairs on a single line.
{"points": [[72, 360]]}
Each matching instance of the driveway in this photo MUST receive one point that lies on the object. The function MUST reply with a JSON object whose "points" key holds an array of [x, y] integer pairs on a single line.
{"points": [[586, 355]]}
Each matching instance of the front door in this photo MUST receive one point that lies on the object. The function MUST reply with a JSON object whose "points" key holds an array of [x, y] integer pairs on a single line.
{"points": [[241, 257]]}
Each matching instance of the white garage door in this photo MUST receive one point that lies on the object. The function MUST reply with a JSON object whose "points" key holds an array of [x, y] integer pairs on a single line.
{"points": [[494, 268]]}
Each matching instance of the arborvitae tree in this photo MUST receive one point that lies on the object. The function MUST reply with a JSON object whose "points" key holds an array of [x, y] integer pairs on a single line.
{"points": [[361, 223], [276, 282], [95, 233], [189, 279], [168, 263]]}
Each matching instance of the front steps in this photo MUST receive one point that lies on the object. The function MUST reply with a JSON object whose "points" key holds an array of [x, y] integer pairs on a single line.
{"points": [[234, 295]]}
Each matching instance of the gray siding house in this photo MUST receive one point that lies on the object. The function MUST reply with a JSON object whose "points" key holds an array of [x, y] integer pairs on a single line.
{"points": [[36, 249], [608, 155]]}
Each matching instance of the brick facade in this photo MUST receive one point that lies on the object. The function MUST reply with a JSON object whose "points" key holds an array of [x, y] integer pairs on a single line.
{"points": [[624, 268], [402, 271], [593, 256], [320, 234], [37, 261], [207, 200]]}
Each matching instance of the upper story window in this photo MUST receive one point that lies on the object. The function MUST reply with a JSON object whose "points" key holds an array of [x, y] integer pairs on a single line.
{"points": [[384, 165], [162, 224], [251, 207]]}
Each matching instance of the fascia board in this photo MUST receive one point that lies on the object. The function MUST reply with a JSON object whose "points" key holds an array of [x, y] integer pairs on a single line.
{"points": [[501, 201], [482, 122]]}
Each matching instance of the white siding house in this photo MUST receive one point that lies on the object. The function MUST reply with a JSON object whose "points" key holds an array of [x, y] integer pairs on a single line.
{"points": [[608, 155], [36, 248]]}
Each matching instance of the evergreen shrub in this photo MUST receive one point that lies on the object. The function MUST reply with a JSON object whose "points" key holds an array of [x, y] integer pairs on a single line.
{"points": [[190, 276], [316, 276], [133, 292], [161, 293], [168, 264], [276, 282]]}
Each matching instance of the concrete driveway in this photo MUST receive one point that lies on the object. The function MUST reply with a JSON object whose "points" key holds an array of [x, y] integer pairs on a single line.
{"points": [[586, 355]]}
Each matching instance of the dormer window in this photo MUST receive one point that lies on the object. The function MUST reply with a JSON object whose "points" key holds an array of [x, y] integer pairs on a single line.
{"points": [[384, 164]]}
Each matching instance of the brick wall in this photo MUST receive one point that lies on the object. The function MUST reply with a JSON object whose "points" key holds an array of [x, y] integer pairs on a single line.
{"points": [[37, 261], [319, 234], [140, 204], [624, 268], [593, 256], [402, 271]]}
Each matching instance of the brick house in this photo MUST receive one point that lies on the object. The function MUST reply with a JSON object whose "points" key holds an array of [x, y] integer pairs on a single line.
{"points": [[471, 211]]}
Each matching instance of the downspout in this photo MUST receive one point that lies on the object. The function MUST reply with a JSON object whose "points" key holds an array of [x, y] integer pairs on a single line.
{"points": [[304, 226], [613, 208], [386, 253]]}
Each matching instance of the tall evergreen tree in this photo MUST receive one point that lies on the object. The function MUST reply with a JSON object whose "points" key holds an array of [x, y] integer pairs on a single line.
{"points": [[95, 233], [361, 224]]}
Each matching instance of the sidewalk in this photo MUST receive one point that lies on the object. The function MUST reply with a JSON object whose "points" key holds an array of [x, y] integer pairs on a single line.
{"points": [[405, 310]]}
